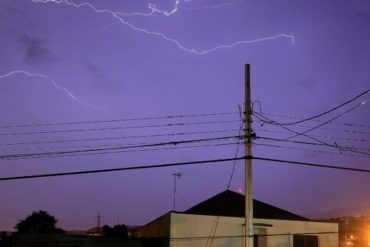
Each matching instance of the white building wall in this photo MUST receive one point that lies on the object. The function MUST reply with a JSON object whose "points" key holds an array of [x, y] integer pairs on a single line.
{"points": [[159, 228], [194, 230]]}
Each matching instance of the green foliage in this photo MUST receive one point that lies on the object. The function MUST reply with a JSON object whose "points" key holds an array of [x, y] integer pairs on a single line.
{"points": [[38, 222]]}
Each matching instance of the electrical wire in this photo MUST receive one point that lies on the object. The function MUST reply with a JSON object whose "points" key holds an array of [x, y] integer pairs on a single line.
{"points": [[142, 167], [25, 155], [117, 128], [309, 150], [322, 128], [292, 162], [318, 136], [265, 119], [326, 112], [214, 228], [128, 151], [328, 121], [335, 145], [128, 168], [341, 148], [118, 137], [348, 124], [116, 120], [237, 148], [345, 148]]}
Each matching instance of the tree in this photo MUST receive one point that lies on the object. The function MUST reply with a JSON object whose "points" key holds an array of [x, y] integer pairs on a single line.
{"points": [[115, 231], [38, 222]]}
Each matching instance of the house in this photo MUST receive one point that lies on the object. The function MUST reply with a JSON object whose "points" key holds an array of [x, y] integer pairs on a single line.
{"points": [[219, 222], [95, 231]]}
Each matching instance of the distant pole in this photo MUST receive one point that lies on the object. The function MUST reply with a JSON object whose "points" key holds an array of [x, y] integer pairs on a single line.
{"points": [[248, 229], [175, 177], [98, 218]]}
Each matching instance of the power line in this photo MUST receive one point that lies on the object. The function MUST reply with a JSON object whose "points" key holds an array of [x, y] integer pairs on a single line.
{"points": [[117, 128], [117, 120], [312, 164], [309, 150], [263, 118], [214, 228], [128, 151], [319, 136], [349, 124], [321, 128], [328, 121], [340, 148], [237, 149], [142, 167], [328, 111], [308, 136], [77, 147], [344, 148], [117, 138], [120, 169], [25, 155]]}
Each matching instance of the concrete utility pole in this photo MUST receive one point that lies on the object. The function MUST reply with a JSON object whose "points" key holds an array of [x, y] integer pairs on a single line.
{"points": [[248, 132], [175, 177]]}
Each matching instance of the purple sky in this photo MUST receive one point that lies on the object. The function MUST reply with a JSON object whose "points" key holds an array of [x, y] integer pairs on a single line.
{"points": [[65, 62]]}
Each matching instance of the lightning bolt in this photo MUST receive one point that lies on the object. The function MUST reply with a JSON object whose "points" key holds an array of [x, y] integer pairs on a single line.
{"points": [[217, 6], [173, 11], [153, 9], [52, 82], [119, 16]]}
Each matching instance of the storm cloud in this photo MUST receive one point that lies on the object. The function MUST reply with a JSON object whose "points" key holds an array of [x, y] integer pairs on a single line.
{"points": [[35, 50]]}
